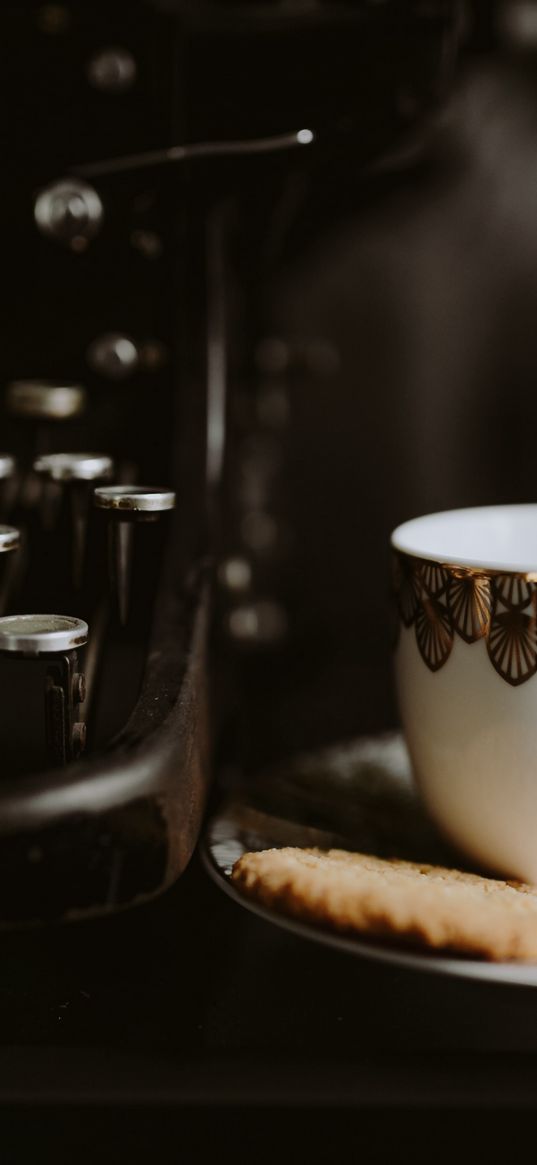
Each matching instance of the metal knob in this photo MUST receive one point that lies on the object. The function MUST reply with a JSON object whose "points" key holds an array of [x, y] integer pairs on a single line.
{"points": [[8, 484], [10, 538], [69, 211], [235, 575], [42, 690], [68, 478], [134, 499], [65, 467], [39, 634], [10, 541], [8, 466], [45, 400], [128, 505], [114, 356], [262, 623], [112, 70]]}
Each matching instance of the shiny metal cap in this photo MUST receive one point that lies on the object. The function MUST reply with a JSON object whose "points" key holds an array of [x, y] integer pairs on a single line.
{"points": [[112, 70], [10, 538], [47, 400], [113, 355], [8, 465], [38, 634], [75, 466], [133, 498], [68, 210]]}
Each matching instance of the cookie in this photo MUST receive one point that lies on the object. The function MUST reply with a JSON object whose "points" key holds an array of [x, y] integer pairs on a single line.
{"points": [[407, 902]]}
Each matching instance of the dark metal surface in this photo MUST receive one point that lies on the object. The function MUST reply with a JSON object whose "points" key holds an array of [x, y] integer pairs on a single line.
{"points": [[189, 1018], [120, 827]]}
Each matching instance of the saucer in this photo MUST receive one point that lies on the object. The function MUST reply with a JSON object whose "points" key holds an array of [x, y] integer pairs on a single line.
{"points": [[358, 796]]}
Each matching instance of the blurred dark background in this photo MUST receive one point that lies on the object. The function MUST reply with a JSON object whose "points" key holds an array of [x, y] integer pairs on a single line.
{"points": [[396, 322]]}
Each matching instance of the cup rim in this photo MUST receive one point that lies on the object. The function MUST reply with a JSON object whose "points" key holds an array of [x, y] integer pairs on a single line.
{"points": [[404, 540]]}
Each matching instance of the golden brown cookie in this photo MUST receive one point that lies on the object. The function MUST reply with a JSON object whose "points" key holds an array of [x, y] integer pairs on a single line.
{"points": [[419, 905]]}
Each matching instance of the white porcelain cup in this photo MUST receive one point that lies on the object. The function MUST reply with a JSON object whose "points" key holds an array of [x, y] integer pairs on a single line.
{"points": [[466, 672]]}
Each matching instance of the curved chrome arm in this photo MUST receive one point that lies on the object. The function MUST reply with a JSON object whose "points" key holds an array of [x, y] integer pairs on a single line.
{"points": [[186, 153]]}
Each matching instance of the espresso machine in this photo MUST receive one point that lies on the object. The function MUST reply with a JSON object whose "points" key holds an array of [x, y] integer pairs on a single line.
{"points": [[174, 596]]}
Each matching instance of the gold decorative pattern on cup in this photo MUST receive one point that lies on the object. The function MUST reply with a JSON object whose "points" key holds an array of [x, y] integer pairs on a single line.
{"points": [[444, 599], [512, 640], [433, 577], [434, 632], [514, 591], [470, 603]]}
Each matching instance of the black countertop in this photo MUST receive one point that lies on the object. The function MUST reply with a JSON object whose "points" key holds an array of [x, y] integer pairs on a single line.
{"points": [[191, 1019]]}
